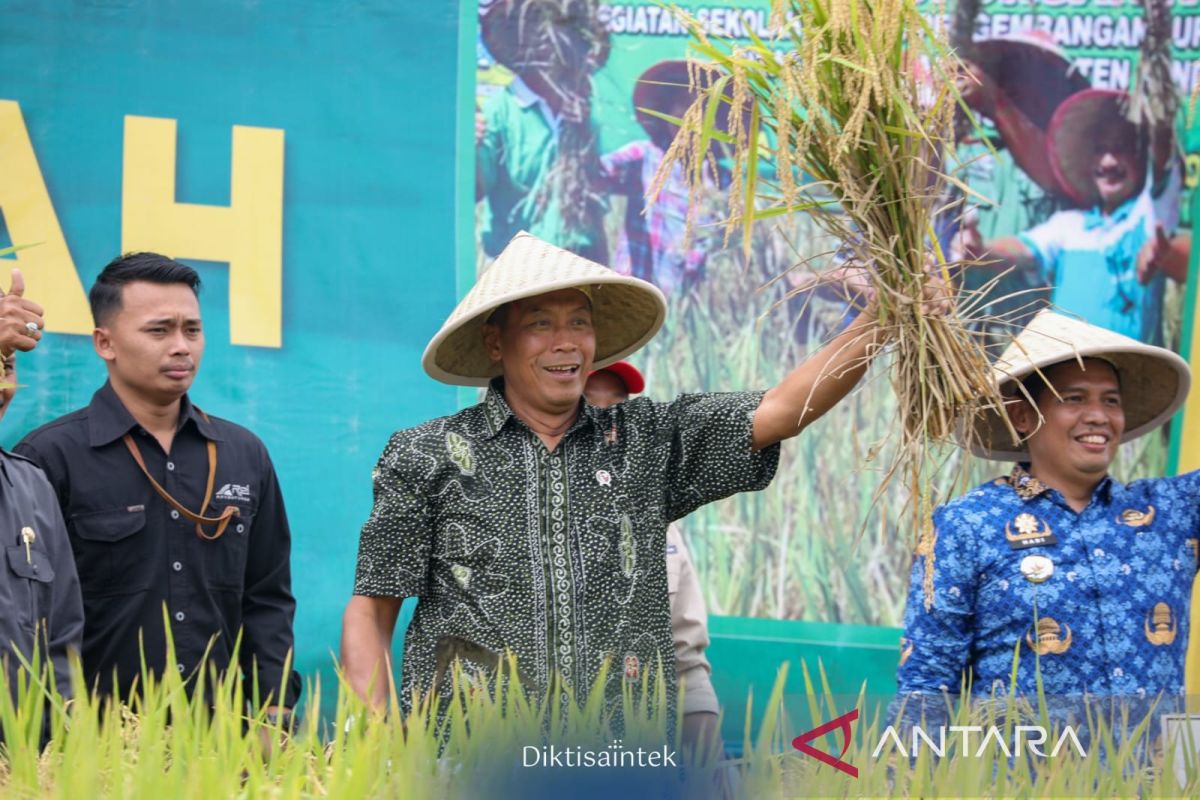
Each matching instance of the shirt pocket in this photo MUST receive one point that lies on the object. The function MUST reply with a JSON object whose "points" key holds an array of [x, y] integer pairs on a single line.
{"points": [[110, 551], [30, 592], [225, 556]]}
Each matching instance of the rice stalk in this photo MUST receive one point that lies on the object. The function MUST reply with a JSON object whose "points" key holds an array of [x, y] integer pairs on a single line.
{"points": [[852, 123], [178, 741]]}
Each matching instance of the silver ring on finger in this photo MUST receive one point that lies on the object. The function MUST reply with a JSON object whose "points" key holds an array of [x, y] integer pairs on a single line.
{"points": [[32, 327]]}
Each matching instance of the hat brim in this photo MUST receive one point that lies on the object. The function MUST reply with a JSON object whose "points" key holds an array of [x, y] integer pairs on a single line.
{"points": [[1154, 385], [666, 81], [1035, 75], [658, 87], [626, 313], [1074, 123]]}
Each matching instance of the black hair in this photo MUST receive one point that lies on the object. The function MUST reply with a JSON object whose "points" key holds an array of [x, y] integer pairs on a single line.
{"points": [[105, 296], [499, 317]]}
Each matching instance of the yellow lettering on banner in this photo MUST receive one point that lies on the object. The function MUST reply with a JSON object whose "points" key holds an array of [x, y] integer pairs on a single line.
{"points": [[50, 277], [248, 234]]}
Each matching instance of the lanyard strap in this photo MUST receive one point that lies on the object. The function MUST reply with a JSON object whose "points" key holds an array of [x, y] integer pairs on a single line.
{"points": [[222, 521]]}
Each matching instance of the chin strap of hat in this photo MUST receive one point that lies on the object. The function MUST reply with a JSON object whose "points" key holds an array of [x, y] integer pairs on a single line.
{"points": [[228, 513]]}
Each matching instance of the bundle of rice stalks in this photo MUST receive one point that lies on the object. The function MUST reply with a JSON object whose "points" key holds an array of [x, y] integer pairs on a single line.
{"points": [[1154, 102], [849, 115], [559, 44]]}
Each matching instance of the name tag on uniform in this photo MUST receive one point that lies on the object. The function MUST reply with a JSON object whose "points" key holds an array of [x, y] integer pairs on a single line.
{"points": [[1027, 531]]}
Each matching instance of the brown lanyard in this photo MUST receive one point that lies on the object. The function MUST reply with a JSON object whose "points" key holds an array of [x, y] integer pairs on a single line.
{"points": [[227, 514]]}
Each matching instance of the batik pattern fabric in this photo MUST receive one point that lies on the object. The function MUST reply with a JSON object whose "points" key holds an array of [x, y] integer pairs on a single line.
{"points": [[1095, 601], [554, 556]]}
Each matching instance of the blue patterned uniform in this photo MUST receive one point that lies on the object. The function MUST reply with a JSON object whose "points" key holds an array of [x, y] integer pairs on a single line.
{"points": [[1112, 617]]}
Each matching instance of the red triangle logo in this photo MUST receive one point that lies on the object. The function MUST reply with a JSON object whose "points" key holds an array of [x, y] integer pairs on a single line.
{"points": [[842, 723]]}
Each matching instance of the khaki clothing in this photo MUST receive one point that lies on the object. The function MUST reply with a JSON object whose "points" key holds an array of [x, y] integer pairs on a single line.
{"points": [[689, 626]]}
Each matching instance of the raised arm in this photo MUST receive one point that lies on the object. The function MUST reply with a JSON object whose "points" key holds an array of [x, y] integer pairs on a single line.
{"points": [[1023, 138], [816, 386]]}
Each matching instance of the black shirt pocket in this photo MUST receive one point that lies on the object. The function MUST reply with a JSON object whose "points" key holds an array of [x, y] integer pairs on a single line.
{"points": [[112, 555], [29, 594], [225, 556], [33, 565]]}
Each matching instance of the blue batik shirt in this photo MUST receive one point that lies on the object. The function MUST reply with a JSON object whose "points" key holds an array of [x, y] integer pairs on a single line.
{"points": [[1097, 600]]}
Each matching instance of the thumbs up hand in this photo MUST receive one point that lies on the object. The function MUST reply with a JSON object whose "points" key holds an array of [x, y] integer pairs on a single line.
{"points": [[21, 320]]}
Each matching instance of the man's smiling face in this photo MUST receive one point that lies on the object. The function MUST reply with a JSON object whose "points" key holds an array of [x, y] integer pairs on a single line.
{"points": [[546, 345], [1117, 170], [1082, 426]]}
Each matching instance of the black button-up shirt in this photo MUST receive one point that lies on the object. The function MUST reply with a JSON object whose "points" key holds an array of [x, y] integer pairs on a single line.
{"points": [[38, 586], [135, 553]]}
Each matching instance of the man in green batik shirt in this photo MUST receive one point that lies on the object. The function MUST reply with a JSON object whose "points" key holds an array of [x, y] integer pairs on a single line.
{"points": [[535, 523]]}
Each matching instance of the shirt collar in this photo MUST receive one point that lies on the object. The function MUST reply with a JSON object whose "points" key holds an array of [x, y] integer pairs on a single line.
{"points": [[495, 407], [109, 420], [1028, 487], [1096, 218], [497, 411], [527, 98]]}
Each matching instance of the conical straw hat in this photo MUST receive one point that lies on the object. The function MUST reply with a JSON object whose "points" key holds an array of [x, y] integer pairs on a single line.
{"points": [[1154, 381], [626, 312], [1034, 73], [1073, 127]]}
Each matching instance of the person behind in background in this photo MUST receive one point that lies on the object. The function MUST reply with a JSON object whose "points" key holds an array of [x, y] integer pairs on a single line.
{"points": [[40, 606], [689, 619], [654, 244], [165, 504]]}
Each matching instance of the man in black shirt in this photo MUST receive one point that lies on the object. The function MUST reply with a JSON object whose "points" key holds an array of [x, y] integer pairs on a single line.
{"points": [[165, 504]]}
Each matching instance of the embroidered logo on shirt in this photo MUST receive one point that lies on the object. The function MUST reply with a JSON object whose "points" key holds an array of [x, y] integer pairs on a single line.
{"points": [[1161, 627], [233, 491], [1049, 638], [1137, 519], [1031, 532], [459, 451], [628, 553]]}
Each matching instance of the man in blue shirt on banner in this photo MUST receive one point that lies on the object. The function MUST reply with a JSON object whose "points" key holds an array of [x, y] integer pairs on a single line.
{"points": [[1099, 257]]}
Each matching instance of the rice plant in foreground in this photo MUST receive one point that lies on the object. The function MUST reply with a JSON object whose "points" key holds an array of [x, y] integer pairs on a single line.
{"points": [[198, 738]]}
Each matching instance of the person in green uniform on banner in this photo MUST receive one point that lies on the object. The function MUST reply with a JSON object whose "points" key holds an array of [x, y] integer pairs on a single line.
{"points": [[536, 159]]}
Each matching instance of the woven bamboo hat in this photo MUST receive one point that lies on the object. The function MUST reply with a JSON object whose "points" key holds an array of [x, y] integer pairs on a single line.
{"points": [[1075, 124], [1154, 381], [626, 312], [1032, 71]]}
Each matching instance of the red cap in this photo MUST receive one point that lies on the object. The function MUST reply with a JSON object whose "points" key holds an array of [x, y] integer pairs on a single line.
{"points": [[628, 374]]}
